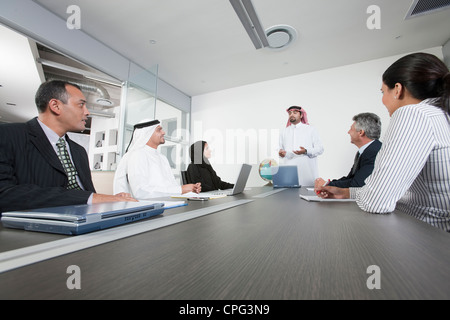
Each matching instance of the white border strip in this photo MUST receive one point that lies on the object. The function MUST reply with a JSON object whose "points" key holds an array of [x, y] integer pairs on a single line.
{"points": [[266, 194], [14, 259]]}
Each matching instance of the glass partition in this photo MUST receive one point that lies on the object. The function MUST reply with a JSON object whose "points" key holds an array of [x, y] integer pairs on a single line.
{"points": [[115, 105], [138, 103], [175, 123]]}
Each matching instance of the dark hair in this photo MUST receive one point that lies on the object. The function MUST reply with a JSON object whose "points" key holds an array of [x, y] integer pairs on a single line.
{"points": [[54, 89], [424, 75], [370, 123], [196, 153]]}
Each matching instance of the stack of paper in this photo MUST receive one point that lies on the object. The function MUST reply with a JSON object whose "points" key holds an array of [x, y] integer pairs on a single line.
{"points": [[202, 195]]}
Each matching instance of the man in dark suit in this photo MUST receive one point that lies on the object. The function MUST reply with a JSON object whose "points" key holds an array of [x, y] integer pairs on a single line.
{"points": [[364, 133], [31, 171]]}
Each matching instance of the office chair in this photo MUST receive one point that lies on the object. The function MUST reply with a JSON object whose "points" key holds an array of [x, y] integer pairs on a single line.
{"points": [[184, 178]]}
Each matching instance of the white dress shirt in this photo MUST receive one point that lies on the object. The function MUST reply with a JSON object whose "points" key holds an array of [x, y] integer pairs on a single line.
{"points": [[364, 147]]}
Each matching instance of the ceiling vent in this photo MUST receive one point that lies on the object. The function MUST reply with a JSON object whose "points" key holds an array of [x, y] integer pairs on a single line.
{"points": [[423, 7], [275, 38], [280, 36]]}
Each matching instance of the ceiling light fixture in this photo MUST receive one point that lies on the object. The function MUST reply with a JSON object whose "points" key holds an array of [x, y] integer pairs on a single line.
{"points": [[247, 14], [104, 102], [101, 114], [85, 73]]}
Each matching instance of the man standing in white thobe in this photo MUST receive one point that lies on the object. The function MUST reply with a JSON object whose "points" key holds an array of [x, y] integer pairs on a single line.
{"points": [[300, 145], [145, 172]]}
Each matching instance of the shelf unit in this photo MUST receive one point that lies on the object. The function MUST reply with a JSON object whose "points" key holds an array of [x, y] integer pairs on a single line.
{"points": [[103, 148]]}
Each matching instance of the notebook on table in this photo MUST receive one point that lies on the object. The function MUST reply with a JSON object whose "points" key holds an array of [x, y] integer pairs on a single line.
{"points": [[79, 219], [285, 177]]}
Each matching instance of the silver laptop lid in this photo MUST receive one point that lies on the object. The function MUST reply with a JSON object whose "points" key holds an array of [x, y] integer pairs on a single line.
{"points": [[79, 213], [239, 186]]}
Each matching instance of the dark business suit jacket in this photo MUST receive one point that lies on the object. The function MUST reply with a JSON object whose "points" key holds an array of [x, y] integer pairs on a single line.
{"points": [[31, 175], [364, 168]]}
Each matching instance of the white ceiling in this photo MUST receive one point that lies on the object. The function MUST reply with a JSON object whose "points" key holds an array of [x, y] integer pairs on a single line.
{"points": [[19, 77], [201, 45]]}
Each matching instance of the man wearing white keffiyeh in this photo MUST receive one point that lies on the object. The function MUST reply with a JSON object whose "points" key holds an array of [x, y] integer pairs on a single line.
{"points": [[143, 171], [300, 145]]}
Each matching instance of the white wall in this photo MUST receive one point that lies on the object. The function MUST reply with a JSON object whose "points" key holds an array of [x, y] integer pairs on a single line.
{"points": [[446, 52], [330, 97]]}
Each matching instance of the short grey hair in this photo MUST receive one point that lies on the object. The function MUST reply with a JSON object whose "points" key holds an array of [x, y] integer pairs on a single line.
{"points": [[370, 123]]}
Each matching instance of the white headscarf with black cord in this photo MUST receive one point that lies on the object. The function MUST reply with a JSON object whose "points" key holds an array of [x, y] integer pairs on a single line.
{"points": [[142, 132]]}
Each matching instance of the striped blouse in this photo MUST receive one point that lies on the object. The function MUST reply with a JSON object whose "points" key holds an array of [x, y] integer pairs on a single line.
{"points": [[412, 169]]}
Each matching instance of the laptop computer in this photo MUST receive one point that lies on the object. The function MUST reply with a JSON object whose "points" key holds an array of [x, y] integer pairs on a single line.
{"points": [[239, 186], [79, 219], [285, 177]]}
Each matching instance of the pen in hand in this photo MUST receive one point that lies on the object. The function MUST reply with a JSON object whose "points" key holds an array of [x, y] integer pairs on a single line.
{"points": [[324, 185]]}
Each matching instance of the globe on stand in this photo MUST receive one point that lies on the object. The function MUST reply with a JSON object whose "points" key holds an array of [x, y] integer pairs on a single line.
{"points": [[265, 169]]}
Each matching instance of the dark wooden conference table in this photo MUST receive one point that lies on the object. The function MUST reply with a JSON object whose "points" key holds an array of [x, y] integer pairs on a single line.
{"points": [[261, 244]]}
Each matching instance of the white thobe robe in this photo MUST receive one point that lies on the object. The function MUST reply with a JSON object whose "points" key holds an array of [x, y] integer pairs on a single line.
{"points": [[149, 175], [306, 136]]}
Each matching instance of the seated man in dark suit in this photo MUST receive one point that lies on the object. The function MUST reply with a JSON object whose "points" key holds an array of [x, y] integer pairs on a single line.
{"points": [[39, 165], [364, 133]]}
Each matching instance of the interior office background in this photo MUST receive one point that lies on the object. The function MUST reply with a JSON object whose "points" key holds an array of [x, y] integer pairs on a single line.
{"points": [[241, 123]]}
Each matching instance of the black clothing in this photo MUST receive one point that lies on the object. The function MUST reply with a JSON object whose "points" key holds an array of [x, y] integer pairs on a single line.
{"points": [[200, 170], [206, 175]]}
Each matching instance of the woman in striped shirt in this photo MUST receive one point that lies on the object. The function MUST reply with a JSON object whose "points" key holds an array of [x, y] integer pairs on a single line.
{"points": [[412, 169]]}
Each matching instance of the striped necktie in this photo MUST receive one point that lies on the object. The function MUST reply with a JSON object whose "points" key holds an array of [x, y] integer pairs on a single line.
{"points": [[70, 170]]}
